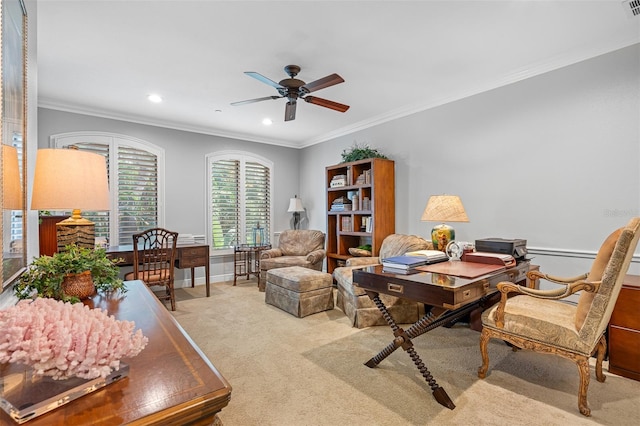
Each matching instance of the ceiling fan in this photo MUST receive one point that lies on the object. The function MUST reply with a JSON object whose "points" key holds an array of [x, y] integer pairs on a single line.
{"points": [[294, 89]]}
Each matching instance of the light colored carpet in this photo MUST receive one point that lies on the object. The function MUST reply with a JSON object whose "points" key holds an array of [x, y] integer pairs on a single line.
{"points": [[309, 371]]}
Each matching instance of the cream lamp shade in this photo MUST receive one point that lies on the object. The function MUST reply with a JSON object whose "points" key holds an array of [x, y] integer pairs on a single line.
{"points": [[70, 179], [12, 198], [443, 208], [295, 207]]}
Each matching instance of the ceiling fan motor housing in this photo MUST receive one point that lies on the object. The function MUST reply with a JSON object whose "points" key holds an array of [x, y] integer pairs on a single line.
{"points": [[292, 70]]}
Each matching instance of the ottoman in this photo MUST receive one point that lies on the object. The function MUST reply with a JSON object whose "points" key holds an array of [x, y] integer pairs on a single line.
{"points": [[299, 291]]}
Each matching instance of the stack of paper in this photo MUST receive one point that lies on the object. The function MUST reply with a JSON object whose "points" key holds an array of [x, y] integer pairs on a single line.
{"points": [[432, 256], [185, 239], [403, 264]]}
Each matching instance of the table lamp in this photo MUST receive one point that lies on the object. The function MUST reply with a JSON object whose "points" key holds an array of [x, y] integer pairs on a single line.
{"points": [[443, 208], [295, 207], [11, 183], [70, 179]]}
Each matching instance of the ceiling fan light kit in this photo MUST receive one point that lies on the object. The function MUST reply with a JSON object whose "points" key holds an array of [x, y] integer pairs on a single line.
{"points": [[294, 89]]}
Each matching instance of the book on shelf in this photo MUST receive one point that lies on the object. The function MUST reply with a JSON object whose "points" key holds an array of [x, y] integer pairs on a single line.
{"points": [[365, 204], [338, 180], [340, 207], [341, 204], [404, 262], [367, 224], [400, 271], [347, 225]]}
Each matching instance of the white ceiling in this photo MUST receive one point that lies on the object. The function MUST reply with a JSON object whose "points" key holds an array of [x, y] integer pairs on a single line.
{"points": [[397, 57]]}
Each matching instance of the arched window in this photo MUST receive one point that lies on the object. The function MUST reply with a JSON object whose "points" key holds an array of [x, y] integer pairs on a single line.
{"points": [[136, 182], [239, 199]]}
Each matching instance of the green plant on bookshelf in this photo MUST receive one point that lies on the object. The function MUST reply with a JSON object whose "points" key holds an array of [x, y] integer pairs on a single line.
{"points": [[360, 152]]}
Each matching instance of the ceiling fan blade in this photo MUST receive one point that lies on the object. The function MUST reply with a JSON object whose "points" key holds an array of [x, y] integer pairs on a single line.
{"points": [[250, 101], [326, 103], [290, 111], [264, 79], [327, 81]]}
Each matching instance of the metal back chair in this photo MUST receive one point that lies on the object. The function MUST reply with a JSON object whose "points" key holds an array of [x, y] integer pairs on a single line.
{"points": [[154, 255]]}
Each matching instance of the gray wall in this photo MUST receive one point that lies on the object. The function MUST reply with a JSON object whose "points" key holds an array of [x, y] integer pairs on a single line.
{"points": [[554, 159], [185, 195]]}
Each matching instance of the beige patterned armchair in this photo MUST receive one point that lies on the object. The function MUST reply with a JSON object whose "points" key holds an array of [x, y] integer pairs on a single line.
{"points": [[538, 320], [296, 247], [353, 300]]}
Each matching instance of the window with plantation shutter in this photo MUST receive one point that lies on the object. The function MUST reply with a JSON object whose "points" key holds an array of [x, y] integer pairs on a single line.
{"points": [[239, 192], [137, 191], [136, 178], [17, 224]]}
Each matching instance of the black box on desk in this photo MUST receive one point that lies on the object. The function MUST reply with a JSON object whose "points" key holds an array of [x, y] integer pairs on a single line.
{"points": [[514, 247]]}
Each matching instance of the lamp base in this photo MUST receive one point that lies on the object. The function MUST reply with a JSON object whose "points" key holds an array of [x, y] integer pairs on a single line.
{"points": [[296, 220], [80, 234], [441, 235]]}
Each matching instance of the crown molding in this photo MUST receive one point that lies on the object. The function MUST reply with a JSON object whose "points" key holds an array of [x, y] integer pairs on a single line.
{"points": [[112, 115], [533, 70], [536, 69]]}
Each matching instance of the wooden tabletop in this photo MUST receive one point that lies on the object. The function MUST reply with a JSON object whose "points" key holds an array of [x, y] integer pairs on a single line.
{"points": [[434, 289], [170, 382]]}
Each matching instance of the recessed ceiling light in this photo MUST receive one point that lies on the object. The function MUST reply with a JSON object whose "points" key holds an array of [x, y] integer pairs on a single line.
{"points": [[267, 122], [155, 98]]}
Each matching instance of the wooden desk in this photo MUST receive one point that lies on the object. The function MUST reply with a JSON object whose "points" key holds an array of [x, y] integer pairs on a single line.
{"points": [[446, 299], [187, 256], [170, 382]]}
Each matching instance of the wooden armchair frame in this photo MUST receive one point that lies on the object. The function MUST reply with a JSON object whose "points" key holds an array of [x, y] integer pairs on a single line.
{"points": [[154, 255], [537, 320]]}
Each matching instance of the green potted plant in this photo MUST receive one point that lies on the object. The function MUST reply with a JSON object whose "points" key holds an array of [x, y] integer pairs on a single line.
{"points": [[70, 275], [360, 152]]}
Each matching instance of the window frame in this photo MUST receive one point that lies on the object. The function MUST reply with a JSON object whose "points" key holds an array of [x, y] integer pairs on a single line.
{"points": [[243, 157], [114, 140]]}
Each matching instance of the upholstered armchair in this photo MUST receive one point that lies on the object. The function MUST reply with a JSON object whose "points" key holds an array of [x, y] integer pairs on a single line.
{"points": [[540, 321], [296, 247], [353, 300]]}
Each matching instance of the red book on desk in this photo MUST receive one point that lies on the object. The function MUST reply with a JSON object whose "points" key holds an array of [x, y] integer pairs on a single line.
{"points": [[490, 258], [458, 268]]}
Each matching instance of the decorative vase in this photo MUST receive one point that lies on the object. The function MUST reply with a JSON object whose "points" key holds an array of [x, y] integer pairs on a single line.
{"points": [[78, 285]]}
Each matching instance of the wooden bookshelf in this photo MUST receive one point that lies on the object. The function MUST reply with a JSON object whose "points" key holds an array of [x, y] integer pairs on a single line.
{"points": [[47, 234], [360, 207]]}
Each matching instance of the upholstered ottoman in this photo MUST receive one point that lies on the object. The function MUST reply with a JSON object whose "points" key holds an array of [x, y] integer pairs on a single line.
{"points": [[299, 291]]}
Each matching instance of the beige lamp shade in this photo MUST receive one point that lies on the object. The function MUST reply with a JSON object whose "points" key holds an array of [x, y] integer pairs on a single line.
{"points": [[444, 208], [11, 182], [295, 205], [70, 179]]}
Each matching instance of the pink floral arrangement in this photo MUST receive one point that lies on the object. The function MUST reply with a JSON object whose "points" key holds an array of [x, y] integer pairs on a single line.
{"points": [[64, 340]]}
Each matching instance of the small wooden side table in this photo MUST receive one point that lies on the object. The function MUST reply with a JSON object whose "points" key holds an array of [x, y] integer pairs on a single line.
{"points": [[246, 259]]}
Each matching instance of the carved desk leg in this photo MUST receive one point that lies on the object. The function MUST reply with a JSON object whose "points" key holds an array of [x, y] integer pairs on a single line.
{"points": [[403, 339]]}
